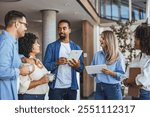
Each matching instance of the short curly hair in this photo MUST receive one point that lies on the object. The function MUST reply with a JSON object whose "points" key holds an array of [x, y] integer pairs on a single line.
{"points": [[142, 32], [26, 44]]}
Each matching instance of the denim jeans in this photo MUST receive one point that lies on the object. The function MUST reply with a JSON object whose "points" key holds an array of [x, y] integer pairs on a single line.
{"points": [[31, 96], [108, 91], [62, 94], [144, 95]]}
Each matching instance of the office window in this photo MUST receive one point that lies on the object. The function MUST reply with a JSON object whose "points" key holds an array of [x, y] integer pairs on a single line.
{"points": [[119, 9], [135, 14], [124, 12], [115, 11], [108, 9], [138, 9], [102, 8]]}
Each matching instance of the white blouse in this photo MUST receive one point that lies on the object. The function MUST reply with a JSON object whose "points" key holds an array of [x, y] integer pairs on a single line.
{"points": [[144, 64], [36, 75]]}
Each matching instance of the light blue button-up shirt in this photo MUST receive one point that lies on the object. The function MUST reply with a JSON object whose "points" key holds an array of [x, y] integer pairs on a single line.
{"points": [[118, 67], [9, 66]]}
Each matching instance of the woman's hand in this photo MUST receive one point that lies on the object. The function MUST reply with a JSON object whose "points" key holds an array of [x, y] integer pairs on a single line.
{"points": [[108, 72], [125, 82], [44, 79], [27, 60]]}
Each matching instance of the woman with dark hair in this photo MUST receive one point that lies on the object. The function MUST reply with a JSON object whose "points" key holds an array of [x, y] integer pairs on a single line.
{"points": [[142, 61], [108, 83], [35, 85]]}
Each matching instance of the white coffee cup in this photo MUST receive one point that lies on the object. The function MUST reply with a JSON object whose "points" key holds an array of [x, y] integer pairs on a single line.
{"points": [[51, 76]]}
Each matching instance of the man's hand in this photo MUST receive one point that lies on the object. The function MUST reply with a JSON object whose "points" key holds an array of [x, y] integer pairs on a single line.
{"points": [[74, 63], [62, 61]]}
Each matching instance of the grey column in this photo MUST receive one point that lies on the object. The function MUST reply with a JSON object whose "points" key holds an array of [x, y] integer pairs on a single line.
{"points": [[48, 28]]}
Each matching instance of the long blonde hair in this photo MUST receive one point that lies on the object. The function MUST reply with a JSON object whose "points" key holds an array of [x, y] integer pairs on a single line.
{"points": [[111, 50]]}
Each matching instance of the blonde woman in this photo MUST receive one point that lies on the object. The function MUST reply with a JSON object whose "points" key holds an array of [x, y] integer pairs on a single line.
{"points": [[108, 82]]}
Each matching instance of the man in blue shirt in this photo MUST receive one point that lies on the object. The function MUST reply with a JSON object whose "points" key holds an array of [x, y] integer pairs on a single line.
{"points": [[10, 63], [65, 85]]}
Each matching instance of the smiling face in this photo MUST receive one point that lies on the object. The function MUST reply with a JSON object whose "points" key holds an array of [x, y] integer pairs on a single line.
{"points": [[63, 30], [36, 47]]}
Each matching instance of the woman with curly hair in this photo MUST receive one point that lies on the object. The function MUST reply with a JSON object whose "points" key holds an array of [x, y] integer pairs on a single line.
{"points": [[35, 85], [142, 61]]}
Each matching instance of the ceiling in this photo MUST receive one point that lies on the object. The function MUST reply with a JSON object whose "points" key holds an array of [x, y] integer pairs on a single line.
{"points": [[140, 3], [68, 9]]}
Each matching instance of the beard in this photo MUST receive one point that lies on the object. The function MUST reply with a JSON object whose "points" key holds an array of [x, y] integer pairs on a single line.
{"points": [[62, 36]]}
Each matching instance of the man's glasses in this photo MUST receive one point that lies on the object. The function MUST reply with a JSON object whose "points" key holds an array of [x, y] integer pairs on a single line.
{"points": [[25, 24]]}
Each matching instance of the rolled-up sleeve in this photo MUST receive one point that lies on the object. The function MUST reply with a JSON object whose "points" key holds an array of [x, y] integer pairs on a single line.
{"points": [[24, 84], [144, 77], [120, 68]]}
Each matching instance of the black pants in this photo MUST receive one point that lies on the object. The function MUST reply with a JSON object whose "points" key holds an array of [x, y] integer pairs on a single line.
{"points": [[31, 96], [62, 94]]}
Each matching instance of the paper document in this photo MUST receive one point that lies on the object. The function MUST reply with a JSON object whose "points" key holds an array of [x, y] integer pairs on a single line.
{"points": [[94, 69], [75, 54]]}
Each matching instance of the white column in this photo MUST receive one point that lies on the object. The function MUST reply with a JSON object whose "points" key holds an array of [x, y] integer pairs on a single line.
{"points": [[48, 27], [130, 10], [78, 81], [148, 11]]}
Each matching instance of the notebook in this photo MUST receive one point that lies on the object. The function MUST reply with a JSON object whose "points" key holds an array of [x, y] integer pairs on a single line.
{"points": [[134, 89]]}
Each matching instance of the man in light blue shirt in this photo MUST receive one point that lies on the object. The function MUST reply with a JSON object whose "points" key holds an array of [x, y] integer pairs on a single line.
{"points": [[10, 63]]}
